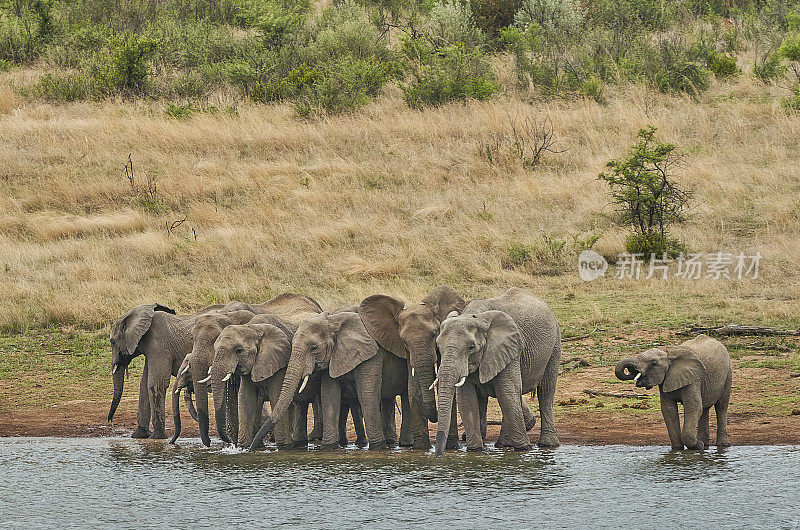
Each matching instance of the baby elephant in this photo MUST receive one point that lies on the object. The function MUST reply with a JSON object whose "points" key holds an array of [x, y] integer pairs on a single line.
{"points": [[698, 374]]}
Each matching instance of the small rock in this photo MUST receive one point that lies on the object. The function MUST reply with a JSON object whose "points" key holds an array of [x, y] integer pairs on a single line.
{"points": [[599, 404], [794, 374], [795, 412]]}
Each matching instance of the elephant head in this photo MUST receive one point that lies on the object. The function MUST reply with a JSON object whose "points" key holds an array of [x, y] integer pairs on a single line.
{"points": [[672, 368], [256, 349], [126, 333], [410, 333], [206, 330], [487, 343], [334, 342]]}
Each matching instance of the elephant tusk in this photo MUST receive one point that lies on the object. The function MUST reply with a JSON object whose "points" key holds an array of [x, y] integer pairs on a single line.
{"points": [[637, 377], [209, 370], [413, 372], [461, 381], [433, 384], [436, 369], [206, 380], [185, 370], [227, 377], [178, 391], [114, 370], [305, 381]]}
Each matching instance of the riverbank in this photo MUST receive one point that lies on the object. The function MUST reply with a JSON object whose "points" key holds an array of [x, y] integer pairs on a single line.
{"points": [[68, 399]]}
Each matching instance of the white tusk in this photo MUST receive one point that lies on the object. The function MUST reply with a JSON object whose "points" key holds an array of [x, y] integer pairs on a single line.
{"points": [[178, 390], [227, 377], [185, 370], [114, 370], [209, 370], [206, 380], [413, 372], [433, 384], [461, 381], [436, 369], [305, 382], [637, 377]]}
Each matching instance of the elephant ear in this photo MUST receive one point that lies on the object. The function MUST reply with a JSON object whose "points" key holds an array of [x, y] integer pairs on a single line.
{"points": [[352, 344], [379, 314], [164, 308], [443, 300], [684, 368], [272, 354], [503, 343], [292, 306], [136, 323]]}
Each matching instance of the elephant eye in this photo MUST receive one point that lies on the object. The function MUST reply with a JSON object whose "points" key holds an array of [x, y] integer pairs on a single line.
{"points": [[239, 350], [653, 363], [313, 347]]}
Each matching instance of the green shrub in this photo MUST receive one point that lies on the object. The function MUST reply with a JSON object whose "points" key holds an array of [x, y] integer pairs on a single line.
{"points": [[768, 67], [452, 23], [517, 255], [593, 89], [722, 65], [790, 47], [127, 67], [62, 87], [653, 243], [493, 15], [179, 112], [793, 102], [677, 72], [557, 19], [453, 73], [341, 86]]}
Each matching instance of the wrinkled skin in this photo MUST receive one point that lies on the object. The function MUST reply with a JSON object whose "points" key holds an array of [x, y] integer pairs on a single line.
{"points": [[165, 339], [338, 347], [480, 359], [697, 373], [410, 331]]}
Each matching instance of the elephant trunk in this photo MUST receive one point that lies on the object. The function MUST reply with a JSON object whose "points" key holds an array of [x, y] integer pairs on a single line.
{"points": [[627, 369], [176, 412], [291, 381], [119, 385], [190, 405], [446, 394], [423, 359], [220, 375], [200, 372]]}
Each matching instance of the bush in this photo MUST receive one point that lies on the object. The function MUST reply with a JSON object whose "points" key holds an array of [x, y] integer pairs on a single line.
{"points": [[493, 15], [769, 67], [557, 19], [62, 87], [453, 73], [341, 86], [676, 72], [653, 243], [642, 187], [128, 66], [452, 23], [722, 65], [793, 102]]}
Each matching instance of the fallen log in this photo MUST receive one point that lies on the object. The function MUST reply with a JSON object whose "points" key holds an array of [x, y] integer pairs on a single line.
{"points": [[602, 393], [730, 330], [576, 337]]}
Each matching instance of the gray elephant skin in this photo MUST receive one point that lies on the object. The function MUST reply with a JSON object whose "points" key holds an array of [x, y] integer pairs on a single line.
{"points": [[352, 363], [259, 353], [481, 359], [291, 307], [409, 332], [697, 373]]}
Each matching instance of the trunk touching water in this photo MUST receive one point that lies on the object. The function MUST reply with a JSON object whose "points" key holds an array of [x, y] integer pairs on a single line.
{"points": [[446, 394], [176, 414], [626, 369], [119, 385], [423, 359], [288, 389], [199, 373]]}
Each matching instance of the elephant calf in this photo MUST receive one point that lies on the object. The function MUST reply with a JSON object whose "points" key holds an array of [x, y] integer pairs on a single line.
{"points": [[698, 374]]}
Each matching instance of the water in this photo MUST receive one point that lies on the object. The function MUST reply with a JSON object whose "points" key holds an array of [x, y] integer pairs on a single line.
{"points": [[52, 482]]}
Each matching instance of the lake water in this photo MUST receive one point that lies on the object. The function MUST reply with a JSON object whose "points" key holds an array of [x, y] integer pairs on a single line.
{"points": [[52, 482]]}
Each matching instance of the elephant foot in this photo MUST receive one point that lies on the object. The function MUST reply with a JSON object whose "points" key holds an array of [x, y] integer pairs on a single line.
{"points": [[361, 442], [676, 447], [141, 432], [284, 447], [315, 435], [724, 443], [158, 435], [406, 443], [699, 446], [422, 446], [344, 442], [530, 424], [390, 444], [328, 447], [377, 446], [452, 443], [548, 440], [299, 444], [477, 449], [523, 448]]}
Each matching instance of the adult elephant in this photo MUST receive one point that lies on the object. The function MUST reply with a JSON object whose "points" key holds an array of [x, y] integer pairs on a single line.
{"points": [[291, 307], [409, 332], [339, 346], [697, 373], [259, 353], [540, 356], [164, 338], [481, 358]]}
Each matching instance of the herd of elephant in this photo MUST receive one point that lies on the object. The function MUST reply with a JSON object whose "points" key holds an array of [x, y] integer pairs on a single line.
{"points": [[442, 356]]}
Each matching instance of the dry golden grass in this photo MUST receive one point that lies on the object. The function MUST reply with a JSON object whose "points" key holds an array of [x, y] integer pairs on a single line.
{"points": [[387, 200]]}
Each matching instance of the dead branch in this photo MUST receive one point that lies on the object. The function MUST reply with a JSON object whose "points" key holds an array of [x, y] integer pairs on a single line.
{"points": [[576, 337], [731, 330], [616, 394]]}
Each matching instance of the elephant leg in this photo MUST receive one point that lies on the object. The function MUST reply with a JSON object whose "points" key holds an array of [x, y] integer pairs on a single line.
{"points": [[702, 427], [469, 405], [508, 388], [527, 415], [344, 410], [358, 423], [692, 410], [721, 410], [669, 410], [388, 421], [330, 398], [158, 376], [483, 404], [249, 412], [316, 408], [300, 432], [502, 438], [143, 410], [546, 391], [452, 434], [419, 422], [368, 387], [406, 434]]}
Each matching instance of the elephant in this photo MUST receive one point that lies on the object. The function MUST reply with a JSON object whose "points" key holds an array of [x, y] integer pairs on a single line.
{"points": [[697, 373], [481, 358], [164, 338], [291, 307], [351, 362], [259, 352], [409, 332]]}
